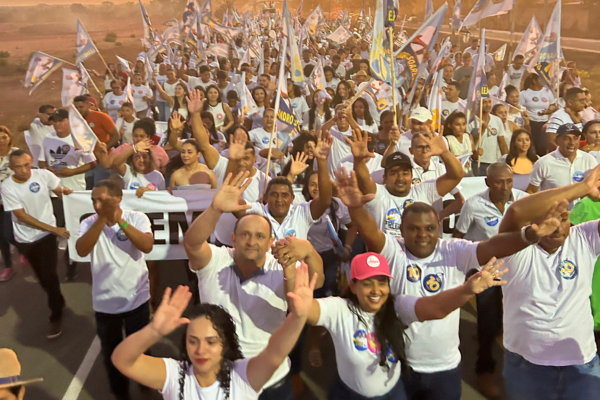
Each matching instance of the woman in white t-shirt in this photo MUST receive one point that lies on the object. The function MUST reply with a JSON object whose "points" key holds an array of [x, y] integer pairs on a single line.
{"points": [[142, 96], [516, 113], [299, 105], [318, 114], [362, 116], [178, 102], [220, 111], [138, 171], [6, 148], [213, 366], [540, 103], [259, 95], [460, 143], [113, 101]]}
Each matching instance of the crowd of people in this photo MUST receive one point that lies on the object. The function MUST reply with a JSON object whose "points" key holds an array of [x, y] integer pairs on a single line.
{"points": [[268, 275]]}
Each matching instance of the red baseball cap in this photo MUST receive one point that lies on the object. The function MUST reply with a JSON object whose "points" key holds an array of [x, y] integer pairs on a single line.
{"points": [[367, 265]]}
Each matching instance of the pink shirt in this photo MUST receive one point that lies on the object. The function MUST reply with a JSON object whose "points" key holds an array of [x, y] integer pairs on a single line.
{"points": [[160, 155]]}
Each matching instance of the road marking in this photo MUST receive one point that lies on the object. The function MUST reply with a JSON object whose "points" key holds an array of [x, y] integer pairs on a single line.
{"points": [[83, 371]]}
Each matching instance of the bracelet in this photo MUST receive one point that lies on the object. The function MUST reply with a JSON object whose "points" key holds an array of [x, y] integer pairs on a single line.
{"points": [[290, 279], [125, 225], [524, 236], [134, 149]]}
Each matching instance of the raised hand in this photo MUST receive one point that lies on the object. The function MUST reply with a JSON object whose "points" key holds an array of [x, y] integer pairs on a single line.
{"points": [[298, 164], [143, 146], [437, 145], [175, 122], [301, 299], [227, 198], [288, 251], [394, 134], [348, 191], [551, 221], [359, 145], [324, 142], [195, 103], [237, 147], [487, 277], [593, 183], [167, 317]]}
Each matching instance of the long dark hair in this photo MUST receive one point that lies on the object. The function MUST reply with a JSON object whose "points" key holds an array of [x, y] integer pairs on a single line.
{"points": [[214, 136], [337, 99], [219, 100], [512, 151], [186, 132], [333, 207], [367, 117], [225, 327], [450, 120], [176, 162], [312, 113], [389, 328], [176, 105]]}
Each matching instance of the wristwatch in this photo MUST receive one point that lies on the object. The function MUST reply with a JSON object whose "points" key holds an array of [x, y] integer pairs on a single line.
{"points": [[524, 236]]}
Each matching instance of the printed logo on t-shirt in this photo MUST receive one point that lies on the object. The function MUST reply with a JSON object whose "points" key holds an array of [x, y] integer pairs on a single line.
{"points": [[415, 181], [360, 340], [391, 357], [432, 283], [567, 269], [493, 131], [445, 113], [535, 99], [372, 343], [151, 186], [578, 176], [407, 203], [219, 116], [265, 140], [134, 185], [491, 221], [413, 273], [60, 153], [140, 92], [92, 125], [121, 236], [291, 232], [392, 219], [112, 102], [34, 187], [545, 100]]}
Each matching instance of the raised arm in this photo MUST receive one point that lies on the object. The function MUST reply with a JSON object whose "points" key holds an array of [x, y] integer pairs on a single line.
{"points": [[297, 166], [533, 207], [288, 251], [454, 170], [118, 162], [353, 198], [195, 106], [176, 126], [319, 205], [227, 199], [228, 117], [391, 148], [129, 357], [359, 145], [262, 367]]}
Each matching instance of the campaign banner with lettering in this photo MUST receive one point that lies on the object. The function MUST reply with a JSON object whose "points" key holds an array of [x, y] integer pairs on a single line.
{"points": [[170, 216]]}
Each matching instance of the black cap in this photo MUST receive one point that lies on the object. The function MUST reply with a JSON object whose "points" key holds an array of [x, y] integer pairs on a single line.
{"points": [[59, 115], [398, 159], [568, 128]]}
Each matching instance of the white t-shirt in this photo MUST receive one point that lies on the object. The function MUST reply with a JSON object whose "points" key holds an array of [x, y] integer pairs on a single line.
{"points": [[404, 143], [257, 305], [535, 101], [297, 222], [113, 104], [61, 153], [489, 141], [367, 128], [5, 171], [357, 350], [387, 209], [239, 388], [449, 107], [515, 76], [257, 118], [119, 273], [554, 170], [559, 118], [431, 346], [318, 235], [128, 131], [339, 149], [480, 218], [547, 312], [153, 180], [260, 137], [252, 194], [32, 196], [300, 107], [333, 82], [194, 81], [139, 104]]}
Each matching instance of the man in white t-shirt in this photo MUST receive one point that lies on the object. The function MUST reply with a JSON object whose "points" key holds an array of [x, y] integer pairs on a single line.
{"points": [[39, 128], [116, 241], [575, 103], [27, 194], [423, 265], [420, 122], [474, 49], [247, 280], [565, 165], [492, 141], [398, 191], [193, 82], [452, 102], [480, 220], [548, 323], [516, 71]]}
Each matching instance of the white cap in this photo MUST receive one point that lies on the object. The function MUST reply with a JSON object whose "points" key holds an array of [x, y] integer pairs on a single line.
{"points": [[421, 114]]}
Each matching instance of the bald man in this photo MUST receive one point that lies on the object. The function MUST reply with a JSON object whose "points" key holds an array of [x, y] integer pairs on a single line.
{"points": [[479, 220]]}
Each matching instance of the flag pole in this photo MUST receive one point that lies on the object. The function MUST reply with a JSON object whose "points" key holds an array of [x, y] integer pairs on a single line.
{"points": [[513, 17], [480, 132], [393, 72], [106, 65]]}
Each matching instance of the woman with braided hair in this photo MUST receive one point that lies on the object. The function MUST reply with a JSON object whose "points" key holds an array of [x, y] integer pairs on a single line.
{"points": [[212, 366]]}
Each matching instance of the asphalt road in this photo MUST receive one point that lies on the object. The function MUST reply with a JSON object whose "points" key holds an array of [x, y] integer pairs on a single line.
{"points": [[72, 367]]}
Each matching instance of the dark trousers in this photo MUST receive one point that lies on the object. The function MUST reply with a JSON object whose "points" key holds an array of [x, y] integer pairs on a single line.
{"points": [[481, 170], [539, 137], [340, 391], [489, 326], [444, 385], [331, 263], [43, 258], [6, 236], [110, 331], [282, 390]]}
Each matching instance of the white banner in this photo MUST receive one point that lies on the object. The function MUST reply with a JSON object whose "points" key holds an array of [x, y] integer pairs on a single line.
{"points": [[170, 215]]}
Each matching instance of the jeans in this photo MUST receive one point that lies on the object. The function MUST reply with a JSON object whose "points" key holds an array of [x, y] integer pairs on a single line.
{"points": [[6, 236], [443, 385], [489, 325], [281, 390], [163, 109], [110, 331], [93, 176], [528, 381], [539, 137], [43, 258], [339, 391], [331, 262]]}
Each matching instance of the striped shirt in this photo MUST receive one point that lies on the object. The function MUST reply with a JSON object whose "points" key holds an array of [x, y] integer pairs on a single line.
{"points": [[559, 118]]}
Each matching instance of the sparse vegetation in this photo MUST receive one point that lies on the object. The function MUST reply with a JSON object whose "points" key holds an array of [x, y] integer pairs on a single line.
{"points": [[4, 55], [118, 44], [132, 35], [110, 37]]}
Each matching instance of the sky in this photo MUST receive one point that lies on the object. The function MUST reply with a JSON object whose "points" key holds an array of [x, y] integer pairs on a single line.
{"points": [[34, 2]]}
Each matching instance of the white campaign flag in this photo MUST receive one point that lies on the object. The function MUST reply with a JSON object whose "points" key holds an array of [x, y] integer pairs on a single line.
{"points": [[500, 53], [41, 66], [72, 86], [124, 63], [487, 8], [340, 35], [83, 136], [248, 106], [528, 45], [312, 21]]}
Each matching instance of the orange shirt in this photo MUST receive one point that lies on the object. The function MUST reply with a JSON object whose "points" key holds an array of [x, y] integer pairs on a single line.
{"points": [[101, 124]]}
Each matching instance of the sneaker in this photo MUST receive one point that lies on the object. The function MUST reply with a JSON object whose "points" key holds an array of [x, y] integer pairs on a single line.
{"points": [[55, 329], [6, 274]]}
